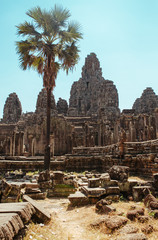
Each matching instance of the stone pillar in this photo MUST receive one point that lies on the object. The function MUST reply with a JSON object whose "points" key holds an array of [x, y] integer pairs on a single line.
{"points": [[99, 134], [11, 146], [14, 137], [156, 121]]}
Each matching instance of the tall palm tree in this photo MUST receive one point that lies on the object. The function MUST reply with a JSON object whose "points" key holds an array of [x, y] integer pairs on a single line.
{"points": [[49, 44]]}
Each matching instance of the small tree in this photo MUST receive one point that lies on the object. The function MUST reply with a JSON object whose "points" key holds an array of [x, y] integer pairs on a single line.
{"points": [[49, 44]]}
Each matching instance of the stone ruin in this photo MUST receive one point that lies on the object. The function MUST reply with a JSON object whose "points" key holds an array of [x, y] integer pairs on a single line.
{"points": [[91, 131], [12, 109], [41, 105], [62, 106], [92, 94], [147, 103]]}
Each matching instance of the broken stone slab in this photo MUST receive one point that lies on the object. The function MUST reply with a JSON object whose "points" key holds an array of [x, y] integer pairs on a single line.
{"points": [[105, 177], [38, 196], [10, 222], [84, 179], [107, 183], [24, 184], [93, 192], [138, 192], [80, 184], [40, 213], [112, 190], [32, 190], [78, 199], [93, 182], [133, 236], [24, 210]]}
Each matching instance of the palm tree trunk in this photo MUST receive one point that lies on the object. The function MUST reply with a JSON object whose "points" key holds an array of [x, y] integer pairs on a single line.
{"points": [[47, 148]]}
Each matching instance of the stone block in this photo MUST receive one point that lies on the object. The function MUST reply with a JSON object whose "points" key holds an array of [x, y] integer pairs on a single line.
{"points": [[62, 190], [93, 182], [93, 192], [78, 199], [38, 196], [119, 173], [112, 190], [108, 183], [58, 177], [105, 176], [40, 213]]}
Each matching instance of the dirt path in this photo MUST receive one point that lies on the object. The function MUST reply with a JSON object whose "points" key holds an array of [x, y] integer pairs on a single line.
{"points": [[73, 223]]}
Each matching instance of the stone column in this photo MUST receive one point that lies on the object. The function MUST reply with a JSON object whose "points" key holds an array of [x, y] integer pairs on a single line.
{"points": [[156, 121], [14, 137], [11, 146]]}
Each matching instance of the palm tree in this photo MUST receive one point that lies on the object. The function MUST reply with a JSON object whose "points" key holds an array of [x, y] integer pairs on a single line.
{"points": [[49, 44]]}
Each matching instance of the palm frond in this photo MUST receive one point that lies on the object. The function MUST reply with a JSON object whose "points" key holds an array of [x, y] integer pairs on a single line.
{"points": [[60, 15], [27, 29], [74, 29], [69, 56]]}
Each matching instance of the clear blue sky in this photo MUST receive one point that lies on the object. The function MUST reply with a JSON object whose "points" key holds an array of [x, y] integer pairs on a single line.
{"points": [[123, 34]]}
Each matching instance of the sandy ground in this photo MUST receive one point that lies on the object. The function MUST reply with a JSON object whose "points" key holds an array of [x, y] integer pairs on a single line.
{"points": [[74, 223]]}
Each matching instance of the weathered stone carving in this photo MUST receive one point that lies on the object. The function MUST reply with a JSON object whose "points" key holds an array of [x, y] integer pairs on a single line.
{"points": [[62, 106], [12, 109], [92, 94], [41, 105], [147, 102]]}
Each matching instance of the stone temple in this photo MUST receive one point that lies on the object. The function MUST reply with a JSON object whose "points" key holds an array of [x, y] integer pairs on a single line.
{"points": [[90, 131], [92, 94]]}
